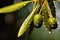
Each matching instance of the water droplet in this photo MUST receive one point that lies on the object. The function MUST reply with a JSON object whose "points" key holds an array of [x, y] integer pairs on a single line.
{"points": [[50, 32]]}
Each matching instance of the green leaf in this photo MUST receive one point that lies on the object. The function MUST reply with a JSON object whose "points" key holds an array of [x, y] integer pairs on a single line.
{"points": [[27, 22], [14, 7]]}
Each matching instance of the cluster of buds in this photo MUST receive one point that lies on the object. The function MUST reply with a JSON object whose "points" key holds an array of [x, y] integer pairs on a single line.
{"points": [[44, 17]]}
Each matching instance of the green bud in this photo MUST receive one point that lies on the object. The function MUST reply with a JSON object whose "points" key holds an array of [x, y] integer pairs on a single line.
{"points": [[52, 22], [37, 20]]}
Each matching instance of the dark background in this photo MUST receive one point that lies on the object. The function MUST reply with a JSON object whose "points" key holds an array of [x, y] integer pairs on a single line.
{"points": [[7, 31]]}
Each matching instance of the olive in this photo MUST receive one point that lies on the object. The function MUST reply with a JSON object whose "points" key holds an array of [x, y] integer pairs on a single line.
{"points": [[37, 20], [52, 22]]}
